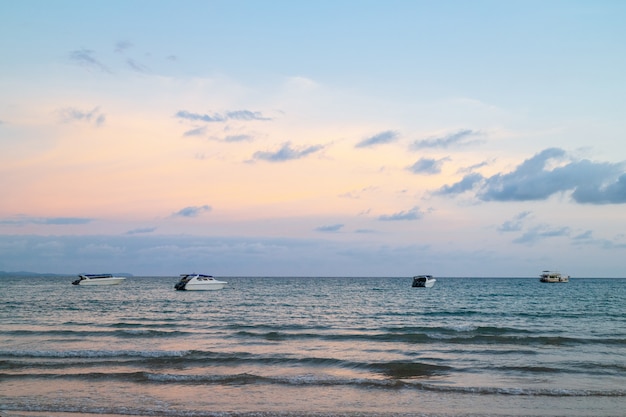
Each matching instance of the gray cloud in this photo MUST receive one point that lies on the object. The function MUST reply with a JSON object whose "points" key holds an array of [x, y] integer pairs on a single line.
{"points": [[286, 153], [532, 181], [71, 114], [244, 115], [330, 228], [457, 138], [414, 214], [85, 58], [466, 184], [192, 211], [614, 193], [388, 136], [591, 182], [427, 166]]}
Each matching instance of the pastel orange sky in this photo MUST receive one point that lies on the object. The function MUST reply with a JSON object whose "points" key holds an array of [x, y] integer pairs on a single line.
{"points": [[324, 139]]}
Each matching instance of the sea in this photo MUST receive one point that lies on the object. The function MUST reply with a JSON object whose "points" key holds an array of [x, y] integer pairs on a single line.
{"points": [[313, 347]]}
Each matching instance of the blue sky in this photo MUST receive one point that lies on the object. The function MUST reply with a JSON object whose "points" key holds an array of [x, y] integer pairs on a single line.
{"points": [[358, 138]]}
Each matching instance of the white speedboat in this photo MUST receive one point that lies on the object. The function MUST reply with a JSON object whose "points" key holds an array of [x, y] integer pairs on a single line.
{"points": [[553, 276], [198, 282], [98, 279], [425, 281]]}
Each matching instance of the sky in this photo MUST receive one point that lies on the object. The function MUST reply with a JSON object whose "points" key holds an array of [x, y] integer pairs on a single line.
{"points": [[324, 138]]}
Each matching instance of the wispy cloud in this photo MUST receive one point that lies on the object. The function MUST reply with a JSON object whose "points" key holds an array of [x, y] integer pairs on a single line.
{"points": [[52, 221], [137, 66], [542, 232], [427, 166], [587, 234], [533, 234], [141, 230], [238, 138], [287, 153], [587, 239], [71, 114], [474, 167], [515, 224], [86, 58], [453, 139], [204, 131], [122, 46], [241, 115], [65, 220], [330, 228], [246, 115], [199, 131], [414, 214], [192, 211], [590, 182], [388, 136], [183, 114], [356, 194]]}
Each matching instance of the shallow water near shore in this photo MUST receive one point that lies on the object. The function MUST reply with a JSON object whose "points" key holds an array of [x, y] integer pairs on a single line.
{"points": [[284, 346]]}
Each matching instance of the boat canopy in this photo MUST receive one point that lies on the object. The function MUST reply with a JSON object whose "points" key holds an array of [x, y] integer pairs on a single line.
{"points": [[94, 276]]}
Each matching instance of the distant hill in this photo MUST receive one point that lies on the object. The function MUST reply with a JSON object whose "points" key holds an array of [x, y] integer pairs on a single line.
{"points": [[46, 274], [30, 274]]}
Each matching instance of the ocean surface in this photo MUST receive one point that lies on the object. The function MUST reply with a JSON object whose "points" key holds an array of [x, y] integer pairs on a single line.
{"points": [[313, 347]]}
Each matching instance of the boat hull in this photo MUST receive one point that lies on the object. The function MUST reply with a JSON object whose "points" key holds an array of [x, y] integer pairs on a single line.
{"points": [[204, 287], [553, 277], [423, 281], [554, 280], [99, 281], [198, 282]]}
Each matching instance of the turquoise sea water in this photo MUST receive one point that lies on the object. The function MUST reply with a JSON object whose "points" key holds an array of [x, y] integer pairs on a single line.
{"points": [[313, 347]]}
